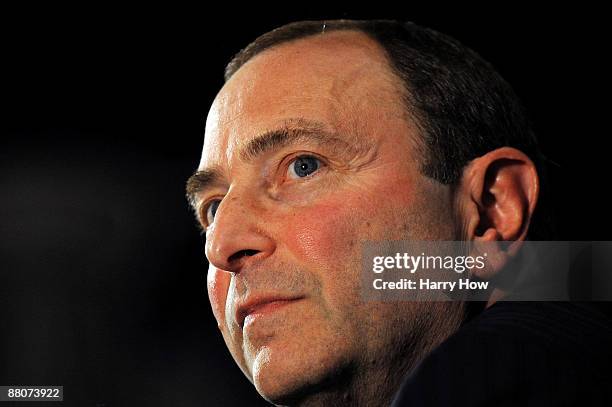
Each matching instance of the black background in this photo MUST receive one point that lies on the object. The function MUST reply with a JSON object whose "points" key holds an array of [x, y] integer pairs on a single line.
{"points": [[102, 272]]}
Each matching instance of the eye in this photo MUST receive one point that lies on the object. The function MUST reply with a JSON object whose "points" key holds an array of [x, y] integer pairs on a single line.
{"points": [[211, 211], [303, 166]]}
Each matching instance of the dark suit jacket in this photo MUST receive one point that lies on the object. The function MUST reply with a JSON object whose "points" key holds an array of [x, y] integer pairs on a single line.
{"points": [[520, 354]]}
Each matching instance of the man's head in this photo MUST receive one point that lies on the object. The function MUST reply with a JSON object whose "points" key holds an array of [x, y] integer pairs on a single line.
{"points": [[320, 140]]}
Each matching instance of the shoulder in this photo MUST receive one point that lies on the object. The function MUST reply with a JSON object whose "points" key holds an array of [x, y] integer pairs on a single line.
{"points": [[517, 354]]}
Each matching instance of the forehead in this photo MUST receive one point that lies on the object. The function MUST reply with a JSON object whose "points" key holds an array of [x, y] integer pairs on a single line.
{"points": [[340, 79]]}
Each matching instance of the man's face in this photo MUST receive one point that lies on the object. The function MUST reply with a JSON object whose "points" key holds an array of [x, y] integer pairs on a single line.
{"points": [[313, 154]]}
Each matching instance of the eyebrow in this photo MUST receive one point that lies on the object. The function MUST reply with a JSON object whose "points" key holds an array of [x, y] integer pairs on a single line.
{"points": [[292, 132], [305, 132], [201, 180]]}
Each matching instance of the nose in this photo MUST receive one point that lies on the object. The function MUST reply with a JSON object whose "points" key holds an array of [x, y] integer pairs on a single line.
{"points": [[237, 236]]}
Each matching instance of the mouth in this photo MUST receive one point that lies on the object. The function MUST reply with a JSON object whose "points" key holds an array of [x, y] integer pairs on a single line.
{"points": [[260, 307]]}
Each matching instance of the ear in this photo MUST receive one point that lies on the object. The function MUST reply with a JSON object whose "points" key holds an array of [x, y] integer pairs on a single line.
{"points": [[500, 190], [497, 196]]}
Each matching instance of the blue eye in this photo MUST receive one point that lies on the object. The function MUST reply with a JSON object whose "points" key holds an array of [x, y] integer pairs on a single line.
{"points": [[304, 166], [211, 211]]}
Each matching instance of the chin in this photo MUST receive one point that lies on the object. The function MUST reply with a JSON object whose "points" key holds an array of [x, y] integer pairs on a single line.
{"points": [[296, 376]]}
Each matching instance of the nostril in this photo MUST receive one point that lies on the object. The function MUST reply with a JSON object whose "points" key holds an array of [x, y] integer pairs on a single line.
{"points": [[242, 253]]}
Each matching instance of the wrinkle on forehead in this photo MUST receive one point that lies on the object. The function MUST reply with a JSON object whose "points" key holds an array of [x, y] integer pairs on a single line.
{"points": [[338, 63], [341, 78]]}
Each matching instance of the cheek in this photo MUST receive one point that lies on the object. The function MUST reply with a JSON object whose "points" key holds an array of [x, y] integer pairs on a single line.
{"points": [[323, 232], [333, 229], [218, 283]]}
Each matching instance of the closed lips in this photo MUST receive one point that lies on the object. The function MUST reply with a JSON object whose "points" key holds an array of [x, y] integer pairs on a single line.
{"points": [[262, 305]]}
